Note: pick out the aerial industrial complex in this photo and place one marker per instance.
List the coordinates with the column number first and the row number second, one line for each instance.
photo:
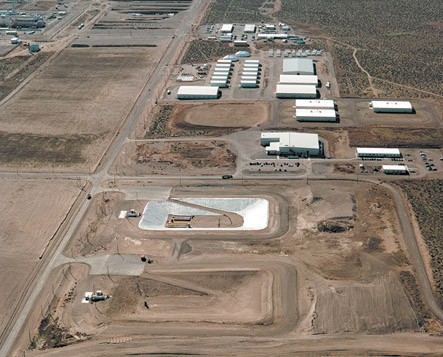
column 192, row 178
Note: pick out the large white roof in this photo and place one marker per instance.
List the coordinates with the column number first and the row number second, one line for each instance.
column 197, row 90
column 378, row 151
column 296, row 89
column 395, row 167
column 249, row 28
column 302, row 65
column 298, row 140
column 227, row 28
column 298, row 79
column 380, row 104
column 315, row 113
column 312, row 103
column 252, row 61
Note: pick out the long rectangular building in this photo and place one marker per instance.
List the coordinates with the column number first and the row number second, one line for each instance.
column 197, row 92
column 395, row 169
column 219, row 83
column 296, row 79
column 380, row 106
column 315, row 114
column 378, row 152
column 299, row 144
column 244, row 83
column 295, row 91
column 315, row 104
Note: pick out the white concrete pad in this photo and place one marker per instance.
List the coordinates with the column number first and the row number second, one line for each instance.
column 255, row 212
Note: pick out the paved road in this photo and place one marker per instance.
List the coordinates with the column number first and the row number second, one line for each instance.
column 102, row 175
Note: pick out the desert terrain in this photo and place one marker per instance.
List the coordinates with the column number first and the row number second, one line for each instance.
column 133, row 222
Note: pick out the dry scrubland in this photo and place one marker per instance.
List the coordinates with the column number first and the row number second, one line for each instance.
column 177, row 158
column 396, row 41
column 386, row 136
column 199, row 51
column 66, row 115
column 426, row 199
column 222, row 11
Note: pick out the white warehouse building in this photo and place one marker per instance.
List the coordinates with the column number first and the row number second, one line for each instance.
column 295, row 91
column 395, row 169
column 315, row 104
column 227, row 28
column 291, row 144
column 298, row 66
column 249, row 28
column 198, row 92
column 378, row 152
column 315, row 114
column 295, row 79
column 379, row 106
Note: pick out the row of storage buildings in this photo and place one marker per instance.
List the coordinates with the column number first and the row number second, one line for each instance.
column 222, row 73
column 315, row 110
column 290, row 86
column 250, row 74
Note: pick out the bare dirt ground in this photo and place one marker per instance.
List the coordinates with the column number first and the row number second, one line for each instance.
column 61, row 119
column 328, row 264
column 31, row 212
column 176, row 158
column 235, row 115
column 201, row 120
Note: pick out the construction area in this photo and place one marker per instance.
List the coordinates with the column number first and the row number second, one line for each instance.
column 176, row 181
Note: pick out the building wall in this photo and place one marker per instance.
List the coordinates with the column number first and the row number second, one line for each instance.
column 393, row 110
column 295, row 95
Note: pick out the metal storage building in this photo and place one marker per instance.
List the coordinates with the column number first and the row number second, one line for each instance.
column 298, row 66
column 378, row 152
column 219, row 83
column 379, row 106
column 231, row 58
column 219, row 78
column 295, row 79
column 315, row 114
column 250, row 69
column 395, row 169
column 221, row 72
column 223, row 65
column 197, row 92
column 248, row 83
column 243, row 54
column 249, row 78
column 227, row 28
column 249, row 28
column 315, row 104
column 296, row 91
column 300, row 144
column 226, row 38
column 251, row 65
column 272, row 36
column 241, row 43
column 224, row 61
column 252, row 61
